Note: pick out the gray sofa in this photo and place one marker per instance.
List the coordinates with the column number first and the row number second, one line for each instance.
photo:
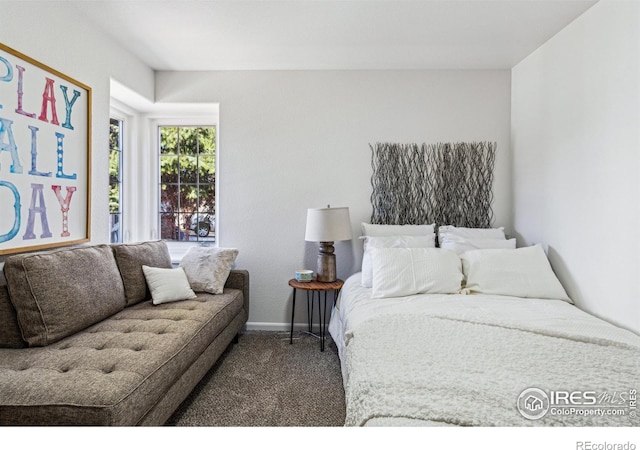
column 82, row 344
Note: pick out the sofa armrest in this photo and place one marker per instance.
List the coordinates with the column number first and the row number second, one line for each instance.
column 239, row 279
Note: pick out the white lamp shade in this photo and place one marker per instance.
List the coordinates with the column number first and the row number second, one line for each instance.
column 328, row 225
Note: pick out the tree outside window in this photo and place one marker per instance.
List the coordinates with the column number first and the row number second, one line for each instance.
column 187, row 183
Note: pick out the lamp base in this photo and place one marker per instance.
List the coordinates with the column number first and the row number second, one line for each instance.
column 326, row 265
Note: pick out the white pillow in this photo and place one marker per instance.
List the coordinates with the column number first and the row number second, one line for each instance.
column 406, row 271
column 427, row 241
column 208, row 268
column 523, row 272
column 167, row 285
column 446, row 231
column 461, row 245
column 397, row 230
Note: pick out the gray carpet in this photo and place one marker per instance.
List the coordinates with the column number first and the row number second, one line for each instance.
column 264, row 381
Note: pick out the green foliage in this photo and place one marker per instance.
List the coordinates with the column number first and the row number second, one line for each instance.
column 187, row 173
column 115, row 143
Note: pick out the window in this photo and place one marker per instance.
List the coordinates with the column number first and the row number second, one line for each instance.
column 187, row 183
column 115, row 180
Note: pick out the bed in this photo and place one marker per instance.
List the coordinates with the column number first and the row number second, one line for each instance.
column 475, row 333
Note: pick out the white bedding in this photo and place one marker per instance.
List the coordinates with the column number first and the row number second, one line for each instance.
column 464, row 359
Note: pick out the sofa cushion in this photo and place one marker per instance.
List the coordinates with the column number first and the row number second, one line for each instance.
column 60, row 292
column 114, row 372
column 131, row 258
column 10, row 335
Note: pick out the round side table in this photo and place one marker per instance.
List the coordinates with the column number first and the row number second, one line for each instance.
column 313, row 289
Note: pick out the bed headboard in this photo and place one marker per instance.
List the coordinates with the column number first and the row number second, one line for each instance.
column 443, row 183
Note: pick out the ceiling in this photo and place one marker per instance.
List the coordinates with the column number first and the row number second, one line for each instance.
column 330, row 34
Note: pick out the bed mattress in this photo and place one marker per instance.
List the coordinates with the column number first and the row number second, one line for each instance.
column 435, row 359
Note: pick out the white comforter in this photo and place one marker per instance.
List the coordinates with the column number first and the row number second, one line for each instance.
column 465, row 359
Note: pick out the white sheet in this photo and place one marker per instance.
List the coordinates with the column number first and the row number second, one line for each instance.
column 534, row 321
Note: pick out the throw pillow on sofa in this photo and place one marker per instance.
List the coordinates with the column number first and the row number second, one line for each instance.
column 208, row 268
column 167, row 285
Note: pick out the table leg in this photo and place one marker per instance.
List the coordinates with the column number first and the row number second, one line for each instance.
column 310, row 311
column 319, row 314
column 323, row 321
column 293, row 312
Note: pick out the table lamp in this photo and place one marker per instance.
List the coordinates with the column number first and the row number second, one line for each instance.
column 326, row 225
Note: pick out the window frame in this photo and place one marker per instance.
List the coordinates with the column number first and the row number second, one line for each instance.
column 115, row 116
column 178, row 248
column 200, row 157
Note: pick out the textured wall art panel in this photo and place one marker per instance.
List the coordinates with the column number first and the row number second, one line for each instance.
column 443, row 183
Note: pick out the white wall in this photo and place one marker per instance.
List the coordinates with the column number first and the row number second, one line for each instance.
column 576, row 158
column 60, row 38
column 291, row 140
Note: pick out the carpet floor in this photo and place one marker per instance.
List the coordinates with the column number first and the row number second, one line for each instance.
column 264, row 381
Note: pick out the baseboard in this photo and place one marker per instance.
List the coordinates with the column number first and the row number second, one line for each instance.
column 270, row 326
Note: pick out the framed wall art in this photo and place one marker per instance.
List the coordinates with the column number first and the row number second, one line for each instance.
column 45, row 156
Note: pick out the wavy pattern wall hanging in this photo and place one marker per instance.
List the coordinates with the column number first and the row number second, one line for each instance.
column 443, row 183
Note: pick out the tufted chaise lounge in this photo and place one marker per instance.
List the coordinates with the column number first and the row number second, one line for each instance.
column 84, row 345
